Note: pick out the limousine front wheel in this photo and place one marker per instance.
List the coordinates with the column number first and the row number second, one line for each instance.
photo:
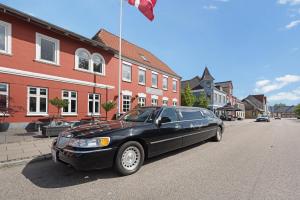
column 218, row 136
column 130, row 158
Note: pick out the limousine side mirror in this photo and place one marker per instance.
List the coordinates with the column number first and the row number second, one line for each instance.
column 162, row 120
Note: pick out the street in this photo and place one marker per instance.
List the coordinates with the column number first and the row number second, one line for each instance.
column 253, row 161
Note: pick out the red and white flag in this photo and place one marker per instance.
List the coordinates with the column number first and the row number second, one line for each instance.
column 145, row 6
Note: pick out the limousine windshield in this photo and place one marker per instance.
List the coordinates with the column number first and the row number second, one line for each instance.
column 140, row 115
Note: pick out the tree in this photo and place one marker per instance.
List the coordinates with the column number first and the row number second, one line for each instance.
column 202, row 101
column 59, row 104
column 108, row 106
column 279, row 105
column 297, row 110
column 187, row 97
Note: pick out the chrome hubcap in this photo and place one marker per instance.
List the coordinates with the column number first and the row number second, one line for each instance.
column 131, row 158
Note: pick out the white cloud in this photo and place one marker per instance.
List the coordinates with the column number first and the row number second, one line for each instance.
column 293, row 24
column 265, row 86
column 292, row 96
column 210, row 7
column 290, row 2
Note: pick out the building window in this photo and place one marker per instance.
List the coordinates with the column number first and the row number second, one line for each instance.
column 165, row 102
column 154, row 79
column 174, row 85
column 154, row 101
column 5, row 37
column 142, row 101
column 142, row 77
column 82, row 59
column 174, row 103
column 98, row 64
column 47, row 49
column 3, row 96
column 165, row 83
column 215, row 97
column 126, row 103
column 94, row 104
column 37, row 100
column 126, row 72
column 71, row 97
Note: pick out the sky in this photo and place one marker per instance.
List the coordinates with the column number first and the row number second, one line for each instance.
column 254, row 43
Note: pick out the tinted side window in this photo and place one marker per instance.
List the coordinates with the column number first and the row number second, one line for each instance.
column 208, row 113
column 169, row 115
column 190, row 114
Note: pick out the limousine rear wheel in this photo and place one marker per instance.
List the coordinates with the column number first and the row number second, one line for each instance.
column 218, row 136
column 130, row 158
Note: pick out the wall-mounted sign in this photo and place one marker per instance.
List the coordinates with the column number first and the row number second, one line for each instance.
column 154, row 91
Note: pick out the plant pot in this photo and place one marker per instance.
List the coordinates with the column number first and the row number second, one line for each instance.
column 53, row 130
column 4, row 126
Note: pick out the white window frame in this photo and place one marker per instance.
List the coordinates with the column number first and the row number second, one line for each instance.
column 38, row 39
column 103, row 64
column 154, row 74
column 69, row 98
column 127, row 100
column 142, row 101
column 165, row 87
column 154, row 100
column 8, row 40
column 77, row 52
column 130, row 66
column 5, row 94
column 143, row 71
column 174, row 102
column 94, row 100
column 174, row 83
column 38, row 97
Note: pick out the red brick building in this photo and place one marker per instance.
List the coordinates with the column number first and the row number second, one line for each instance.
column 40, row 61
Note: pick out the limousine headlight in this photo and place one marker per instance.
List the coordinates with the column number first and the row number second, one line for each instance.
column 90, row 143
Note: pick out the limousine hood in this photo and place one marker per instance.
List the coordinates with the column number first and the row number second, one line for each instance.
column 98, row 129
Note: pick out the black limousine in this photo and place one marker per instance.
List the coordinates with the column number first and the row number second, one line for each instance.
column 139, row 134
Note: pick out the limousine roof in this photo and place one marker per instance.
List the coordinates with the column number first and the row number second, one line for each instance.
column 178, row 107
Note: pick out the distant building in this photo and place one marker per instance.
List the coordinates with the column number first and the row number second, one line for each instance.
column 255, row 105
column 216, row 96
column 283, row 111
column 220, row 95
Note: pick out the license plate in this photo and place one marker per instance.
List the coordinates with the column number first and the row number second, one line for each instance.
column 54, row 155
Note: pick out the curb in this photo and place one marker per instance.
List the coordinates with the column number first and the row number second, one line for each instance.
column 23, row 161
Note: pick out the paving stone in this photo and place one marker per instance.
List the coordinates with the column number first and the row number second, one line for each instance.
column 3, row 158
column 15, row 156
column 15, row 151
column 2, row 147
column 30, row 154
column 45, row 150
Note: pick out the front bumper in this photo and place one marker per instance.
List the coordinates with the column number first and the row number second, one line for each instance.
column 86, row 160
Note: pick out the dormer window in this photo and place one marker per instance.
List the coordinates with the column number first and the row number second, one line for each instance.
column 98, row 63
column 83, row 57
column 84, row 61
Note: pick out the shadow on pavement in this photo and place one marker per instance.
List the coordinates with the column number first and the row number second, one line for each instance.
column 47, row 174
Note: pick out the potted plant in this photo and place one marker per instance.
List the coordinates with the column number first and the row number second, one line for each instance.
column 108, row 106
column 56, row 125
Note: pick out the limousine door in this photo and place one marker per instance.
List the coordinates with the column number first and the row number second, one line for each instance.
column 195, row 126
column 212, row 123
column 168, row 136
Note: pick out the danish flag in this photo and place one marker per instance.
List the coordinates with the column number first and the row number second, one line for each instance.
column 145, row 6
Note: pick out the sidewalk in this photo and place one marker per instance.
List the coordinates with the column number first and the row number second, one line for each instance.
column 25, row 149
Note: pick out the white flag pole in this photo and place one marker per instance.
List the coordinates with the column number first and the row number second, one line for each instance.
column 120, row 59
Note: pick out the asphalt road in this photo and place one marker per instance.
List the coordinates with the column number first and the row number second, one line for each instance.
column 254, row 161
